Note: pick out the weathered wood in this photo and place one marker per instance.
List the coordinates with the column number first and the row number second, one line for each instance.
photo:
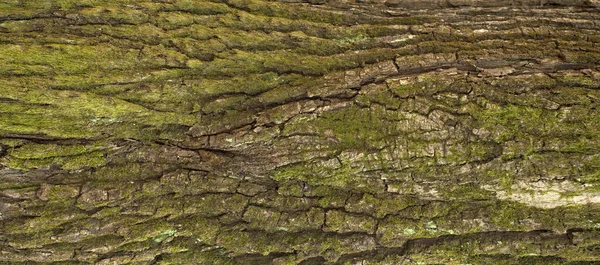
column 300, row 132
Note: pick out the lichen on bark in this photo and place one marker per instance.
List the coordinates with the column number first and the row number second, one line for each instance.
column 299, row 132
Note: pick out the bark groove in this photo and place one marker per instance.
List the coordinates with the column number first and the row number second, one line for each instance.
column 300, row 132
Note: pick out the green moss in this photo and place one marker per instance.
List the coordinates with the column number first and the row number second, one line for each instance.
column 522, row 83
column 101, row 244
column 306, row 244
column 47, row 220
column 508, row 215
column 252, row 40
column 30, row 124
column 196, row 32
column 9, row 186
column 35, row 239
column 474, row 151
column 164, row 235
column 24, row 8
column 590, row 58
column 341, row 222
column 12, row 142
column 342, row 177
column 424, row 84
column 222, row 122
column 64, row 59
column 504, row 178
column 379, row 95
column 202, row 230
column 468, row 192
column 212, row 205
column 333, row 198
column 446, row 253
column 209, row 256
column 284, row 62
column 244, row 242
column 272, row 9
column 353, row 39
column 125, row 172
column 71, row 114
column 174, row 20
column 250, row 84
column 282, row 94
column 201, row 7
column 395, row 231
column 500, row 259
column 145, row 33
column 119, row 15
column 223, row 104
column 272, row 221
column 577, row 81
column 353, row 127
column 508, row 122
column 137, row 246
column 108, row 212
column 316, row 46
column 290, row 188
column 37, row 151
column 155, row 230
column 523, row 129
column 17, row 26
column 515, row 216
column 381, row 207
column 238, row 62
column 535, row 259
column 62, row 192
column 95, row 81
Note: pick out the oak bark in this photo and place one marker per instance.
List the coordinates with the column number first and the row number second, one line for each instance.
column 300, row 132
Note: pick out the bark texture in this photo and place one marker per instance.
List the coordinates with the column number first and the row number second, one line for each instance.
column 300, row 132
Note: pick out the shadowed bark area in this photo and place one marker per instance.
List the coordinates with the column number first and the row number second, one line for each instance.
column 300, row 132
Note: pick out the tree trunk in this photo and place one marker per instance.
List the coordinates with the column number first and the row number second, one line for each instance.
column 300, row 132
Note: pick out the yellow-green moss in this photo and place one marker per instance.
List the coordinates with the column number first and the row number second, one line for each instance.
column 341, row 177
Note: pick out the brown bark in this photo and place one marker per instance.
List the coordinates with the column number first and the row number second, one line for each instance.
column 300, row 132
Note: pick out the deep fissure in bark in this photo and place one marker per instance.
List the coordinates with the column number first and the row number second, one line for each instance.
column 300, row 132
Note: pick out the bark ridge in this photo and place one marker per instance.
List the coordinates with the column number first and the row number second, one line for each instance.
column 300, row 132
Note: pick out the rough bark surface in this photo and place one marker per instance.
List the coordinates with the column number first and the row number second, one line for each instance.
column 300, row 132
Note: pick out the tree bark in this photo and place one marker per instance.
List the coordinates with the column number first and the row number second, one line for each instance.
column 300, row 132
